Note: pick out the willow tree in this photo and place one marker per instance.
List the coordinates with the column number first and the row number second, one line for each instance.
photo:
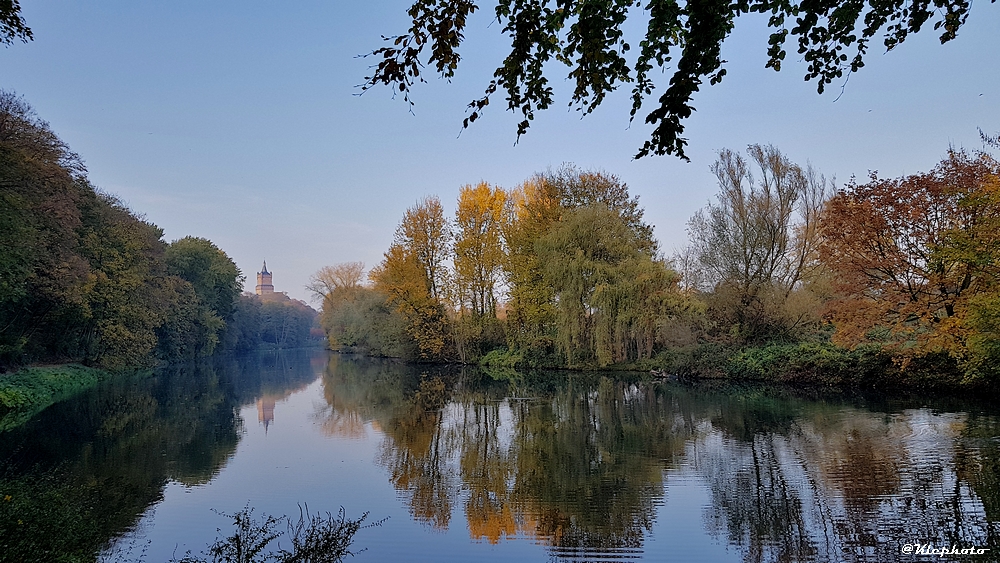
column 537, row 206
column 609, row 293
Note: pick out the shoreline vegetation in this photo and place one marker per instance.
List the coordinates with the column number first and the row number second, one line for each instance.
column 84, row 279
column 28, row 391
column 787, row 278
column 89, row 288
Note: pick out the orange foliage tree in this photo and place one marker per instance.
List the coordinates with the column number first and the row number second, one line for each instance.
column 911, row 255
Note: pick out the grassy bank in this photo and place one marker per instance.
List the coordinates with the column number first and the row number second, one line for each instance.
column 803, row 363
column 27, row 392
column 815, row 363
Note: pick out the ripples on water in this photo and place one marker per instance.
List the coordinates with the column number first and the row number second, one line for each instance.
column 581, row 469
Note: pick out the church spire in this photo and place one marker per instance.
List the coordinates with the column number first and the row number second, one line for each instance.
column 264, row 270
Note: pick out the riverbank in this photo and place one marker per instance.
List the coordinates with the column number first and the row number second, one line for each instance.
column 802, row 363
column 28, row 391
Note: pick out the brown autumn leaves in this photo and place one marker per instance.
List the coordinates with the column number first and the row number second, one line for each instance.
column 562, row 271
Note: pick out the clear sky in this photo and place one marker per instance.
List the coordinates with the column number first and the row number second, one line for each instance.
column 240, row 122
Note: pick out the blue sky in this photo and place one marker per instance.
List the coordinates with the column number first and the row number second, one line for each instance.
column 241, row 123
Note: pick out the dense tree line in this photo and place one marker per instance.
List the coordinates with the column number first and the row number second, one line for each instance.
column 277, row 322
column 561, row 270
column 916, row 264
column 783, row 273
column 83, row 278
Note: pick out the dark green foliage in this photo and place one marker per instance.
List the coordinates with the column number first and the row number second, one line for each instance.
column 589, row 37
column 538, row 353
column 287, row 324
column 82, row 278
column 243, row 329
column 27, row 392
column 47, row 506
column 81, row 472
column 811, row 362
column 215, row 278
column 12, row 26
column 125, row 255
column 273, row 323
column 814, row 363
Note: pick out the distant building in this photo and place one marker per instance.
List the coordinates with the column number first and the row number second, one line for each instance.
column 264, row 286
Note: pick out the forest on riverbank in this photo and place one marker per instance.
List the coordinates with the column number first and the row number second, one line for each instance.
column 83, row 278
column 786, row 277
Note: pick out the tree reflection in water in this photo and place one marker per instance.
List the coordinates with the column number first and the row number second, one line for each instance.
column 584, row 466
column 82, row 472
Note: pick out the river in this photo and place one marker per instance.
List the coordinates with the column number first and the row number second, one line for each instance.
column 455, row 466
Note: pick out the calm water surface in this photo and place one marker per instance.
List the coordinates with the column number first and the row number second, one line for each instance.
column 464, row 468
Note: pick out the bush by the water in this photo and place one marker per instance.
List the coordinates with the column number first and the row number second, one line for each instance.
column 314, row 538
column 28, row 391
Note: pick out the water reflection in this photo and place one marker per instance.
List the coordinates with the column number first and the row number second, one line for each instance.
column 584, row 466
column 589, row 467
column 83, row 471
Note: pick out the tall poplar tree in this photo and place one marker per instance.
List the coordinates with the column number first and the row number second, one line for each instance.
column 479, row 251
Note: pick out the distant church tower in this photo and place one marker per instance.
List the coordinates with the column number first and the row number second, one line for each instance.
column 264, row 286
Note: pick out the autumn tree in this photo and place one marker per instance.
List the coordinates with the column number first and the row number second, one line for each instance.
column 414, row 273
column 532, row 207
column 426, row 236
column 589, row 37
column 479, row 252
column 537, row 206
column 759, row 242
column 126, row 258
column 82, row 277
column 359, row 317
column 42, row 276
column 914, row 256
column 580, row 188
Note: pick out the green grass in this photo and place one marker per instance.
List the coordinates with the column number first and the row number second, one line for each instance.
column 27, row 392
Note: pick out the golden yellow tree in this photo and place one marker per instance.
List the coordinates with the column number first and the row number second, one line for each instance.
column 479, row 251
column 426, row 235
column 413, row 274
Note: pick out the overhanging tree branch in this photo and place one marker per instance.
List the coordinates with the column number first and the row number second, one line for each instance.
column 587, row 36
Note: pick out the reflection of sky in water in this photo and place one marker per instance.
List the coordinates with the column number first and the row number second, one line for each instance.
column 691, row 475
column 296, row 461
